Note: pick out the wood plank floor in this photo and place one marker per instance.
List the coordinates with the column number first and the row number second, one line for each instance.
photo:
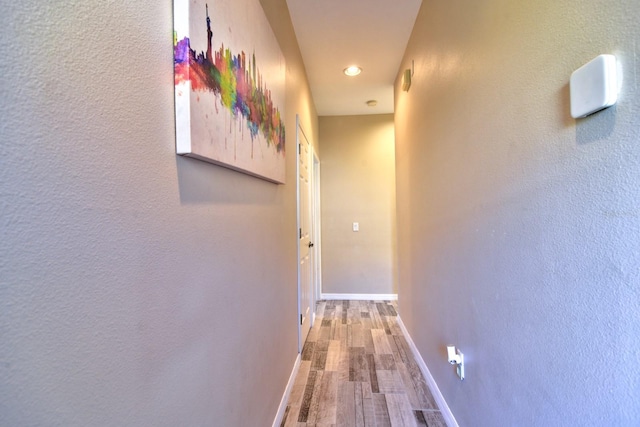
column 358, row 370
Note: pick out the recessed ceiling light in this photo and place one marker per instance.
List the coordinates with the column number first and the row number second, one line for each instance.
column 372, row 103
column 353, row 70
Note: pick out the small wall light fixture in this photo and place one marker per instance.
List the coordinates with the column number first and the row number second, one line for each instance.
column 352, row 70
column 406, row 78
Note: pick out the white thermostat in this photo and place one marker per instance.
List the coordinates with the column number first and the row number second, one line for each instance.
column 594, row 86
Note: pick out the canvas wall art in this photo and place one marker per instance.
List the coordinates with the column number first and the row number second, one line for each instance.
column 229, row 86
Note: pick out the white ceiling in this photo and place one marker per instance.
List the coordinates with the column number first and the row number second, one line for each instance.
column 334, row 34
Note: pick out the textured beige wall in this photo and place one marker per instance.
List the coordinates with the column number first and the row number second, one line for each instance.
column 358, row 185
column 519, row 226
column 136, row 287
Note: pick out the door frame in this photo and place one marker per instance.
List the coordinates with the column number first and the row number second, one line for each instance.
column 316, row 228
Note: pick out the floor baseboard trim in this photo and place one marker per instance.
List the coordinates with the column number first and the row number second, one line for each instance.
column 287, row 392
column 362, row 297
column 435, row 391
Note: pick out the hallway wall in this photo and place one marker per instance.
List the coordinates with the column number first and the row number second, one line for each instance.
column 358, row 185
column 136, row 287
column 519, row 226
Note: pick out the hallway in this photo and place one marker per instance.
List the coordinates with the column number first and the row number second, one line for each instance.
column 357, row 369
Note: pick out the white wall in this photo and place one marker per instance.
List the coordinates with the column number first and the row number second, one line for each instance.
column 519, row 228
column 358, row 185
column 136, row 287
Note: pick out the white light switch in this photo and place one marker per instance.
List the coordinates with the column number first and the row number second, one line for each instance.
column 594, row 86
column 356, row 226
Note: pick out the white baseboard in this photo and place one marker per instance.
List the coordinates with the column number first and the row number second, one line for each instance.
column 287, row 392
column 435, row 391
column 362, row 297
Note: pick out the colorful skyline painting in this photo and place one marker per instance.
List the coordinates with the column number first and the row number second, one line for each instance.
column 229, row 103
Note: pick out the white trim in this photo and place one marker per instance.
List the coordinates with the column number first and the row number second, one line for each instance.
column 364, row 297
column 317, row 227
column 435, row 391
column 287, row 392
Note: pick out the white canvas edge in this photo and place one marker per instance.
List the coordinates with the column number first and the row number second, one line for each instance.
column 183, row 120
column 431, row 383
column 287, row 392
column 182, row 107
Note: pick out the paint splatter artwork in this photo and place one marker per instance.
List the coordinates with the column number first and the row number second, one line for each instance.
column 229, row 87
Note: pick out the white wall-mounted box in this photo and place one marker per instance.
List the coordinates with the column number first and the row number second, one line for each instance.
column 594, row 86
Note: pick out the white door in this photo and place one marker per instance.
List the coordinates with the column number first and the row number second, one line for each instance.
column 305, row 294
